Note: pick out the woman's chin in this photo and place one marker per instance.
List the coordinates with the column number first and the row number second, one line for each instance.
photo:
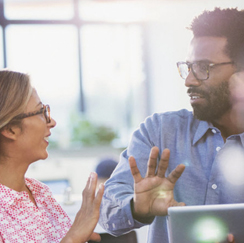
column 43, row 156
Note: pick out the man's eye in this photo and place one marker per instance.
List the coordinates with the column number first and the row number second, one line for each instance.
column 202, row 66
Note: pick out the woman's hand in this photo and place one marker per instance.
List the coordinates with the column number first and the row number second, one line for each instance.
column 88, row 215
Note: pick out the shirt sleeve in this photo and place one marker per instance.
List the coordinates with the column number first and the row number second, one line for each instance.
column 115, row 213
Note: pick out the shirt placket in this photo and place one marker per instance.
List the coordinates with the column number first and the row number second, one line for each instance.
column 213, row 189
column 224, row 186
column 46, row 218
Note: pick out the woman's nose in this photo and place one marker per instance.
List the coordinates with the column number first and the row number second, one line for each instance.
column 52, row 123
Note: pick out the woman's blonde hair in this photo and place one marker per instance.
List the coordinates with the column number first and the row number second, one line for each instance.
column 15, row 92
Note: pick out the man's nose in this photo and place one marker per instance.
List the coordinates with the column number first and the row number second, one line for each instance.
column 191, row 80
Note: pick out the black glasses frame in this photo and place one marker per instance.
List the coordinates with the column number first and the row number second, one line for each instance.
column 209, row 65
column 45, row 110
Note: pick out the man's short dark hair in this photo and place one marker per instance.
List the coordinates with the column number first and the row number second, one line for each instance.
column 227, row 23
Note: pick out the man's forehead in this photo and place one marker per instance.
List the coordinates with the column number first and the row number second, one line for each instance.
column 207, row 48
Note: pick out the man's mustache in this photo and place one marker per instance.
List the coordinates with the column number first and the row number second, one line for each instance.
column 194, row 90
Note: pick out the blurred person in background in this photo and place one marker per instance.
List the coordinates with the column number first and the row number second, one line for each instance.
column 207, row 144
column 104, row 169
column 29, row 213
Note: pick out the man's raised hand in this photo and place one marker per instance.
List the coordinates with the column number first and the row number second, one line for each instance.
column 154, row 193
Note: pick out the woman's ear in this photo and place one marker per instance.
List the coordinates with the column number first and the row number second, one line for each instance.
column 10, row 132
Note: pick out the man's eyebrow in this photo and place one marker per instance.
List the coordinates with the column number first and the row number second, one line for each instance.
column 201, row 60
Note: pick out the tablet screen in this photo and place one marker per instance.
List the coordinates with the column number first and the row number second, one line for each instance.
column 206, row 223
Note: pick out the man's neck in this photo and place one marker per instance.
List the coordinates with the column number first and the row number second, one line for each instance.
column 230, row 124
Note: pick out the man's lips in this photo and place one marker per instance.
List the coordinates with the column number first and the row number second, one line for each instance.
column 194, row 96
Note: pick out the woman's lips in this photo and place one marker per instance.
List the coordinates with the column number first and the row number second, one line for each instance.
column 47, row 137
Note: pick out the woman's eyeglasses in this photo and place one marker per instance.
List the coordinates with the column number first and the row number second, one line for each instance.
column 45, row 110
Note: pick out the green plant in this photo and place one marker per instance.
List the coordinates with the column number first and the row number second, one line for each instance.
column 88, row 134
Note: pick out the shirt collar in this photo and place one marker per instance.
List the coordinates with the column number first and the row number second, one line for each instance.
column 204, row 126
column 9, row 196
column 241, row 137
column 201, row 130
column 37, row 188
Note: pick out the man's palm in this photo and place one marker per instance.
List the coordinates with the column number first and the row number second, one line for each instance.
column 154, row 193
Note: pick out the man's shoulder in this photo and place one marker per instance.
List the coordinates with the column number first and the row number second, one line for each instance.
column 173, row 116
column 171, row 121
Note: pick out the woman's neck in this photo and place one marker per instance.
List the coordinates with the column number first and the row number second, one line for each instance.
column 12, row 174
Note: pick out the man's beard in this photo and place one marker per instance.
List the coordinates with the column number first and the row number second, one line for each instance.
column 218, row 102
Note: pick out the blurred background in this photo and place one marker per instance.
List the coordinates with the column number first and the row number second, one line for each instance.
column 103, row 66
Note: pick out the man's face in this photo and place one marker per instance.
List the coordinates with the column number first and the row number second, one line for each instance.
column 210, row 99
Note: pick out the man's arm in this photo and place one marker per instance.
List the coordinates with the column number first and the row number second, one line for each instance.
column 115, row 212
column 151, row 196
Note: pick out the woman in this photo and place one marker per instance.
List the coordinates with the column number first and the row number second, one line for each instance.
column 28, row 211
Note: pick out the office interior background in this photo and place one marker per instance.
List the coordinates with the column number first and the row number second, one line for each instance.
column 103, row 66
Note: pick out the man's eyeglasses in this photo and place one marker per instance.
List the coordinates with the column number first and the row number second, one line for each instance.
column 45, row 110
column 199, row 69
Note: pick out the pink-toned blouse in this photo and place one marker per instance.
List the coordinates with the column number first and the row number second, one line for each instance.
column 21, row 221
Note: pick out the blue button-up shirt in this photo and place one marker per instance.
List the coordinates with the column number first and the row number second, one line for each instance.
column 214, row 171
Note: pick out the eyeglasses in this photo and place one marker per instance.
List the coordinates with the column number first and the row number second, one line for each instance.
column 45, row 110
column 199, row 69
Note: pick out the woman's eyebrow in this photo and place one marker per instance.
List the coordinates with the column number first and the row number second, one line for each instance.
column 40, row 103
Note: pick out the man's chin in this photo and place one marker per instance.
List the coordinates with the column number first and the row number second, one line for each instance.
column 201, row 114
column 208, row 115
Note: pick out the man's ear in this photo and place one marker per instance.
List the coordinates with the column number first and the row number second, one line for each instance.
column 10, row 132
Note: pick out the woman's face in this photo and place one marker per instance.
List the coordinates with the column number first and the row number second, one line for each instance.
column 35, row 131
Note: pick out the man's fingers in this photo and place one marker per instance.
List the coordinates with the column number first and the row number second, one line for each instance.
column 163, row 163
column 152, row 162
column 176, row 173
column 134, row 170
column 181, row 204
column 230, row 238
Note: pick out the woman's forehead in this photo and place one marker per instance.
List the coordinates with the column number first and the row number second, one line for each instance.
column 34, row 101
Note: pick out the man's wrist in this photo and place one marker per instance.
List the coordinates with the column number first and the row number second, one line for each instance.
column 142, row 219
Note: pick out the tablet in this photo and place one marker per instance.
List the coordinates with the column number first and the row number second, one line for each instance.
column 205, row 223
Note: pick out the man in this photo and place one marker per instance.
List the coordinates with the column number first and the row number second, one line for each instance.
column 206, row 144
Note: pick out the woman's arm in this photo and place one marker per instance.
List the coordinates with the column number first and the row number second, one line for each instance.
column 87, row 217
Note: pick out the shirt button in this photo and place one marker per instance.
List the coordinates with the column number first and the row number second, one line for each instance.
column 214, row 186
column 213, row 131
column 217, row 149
